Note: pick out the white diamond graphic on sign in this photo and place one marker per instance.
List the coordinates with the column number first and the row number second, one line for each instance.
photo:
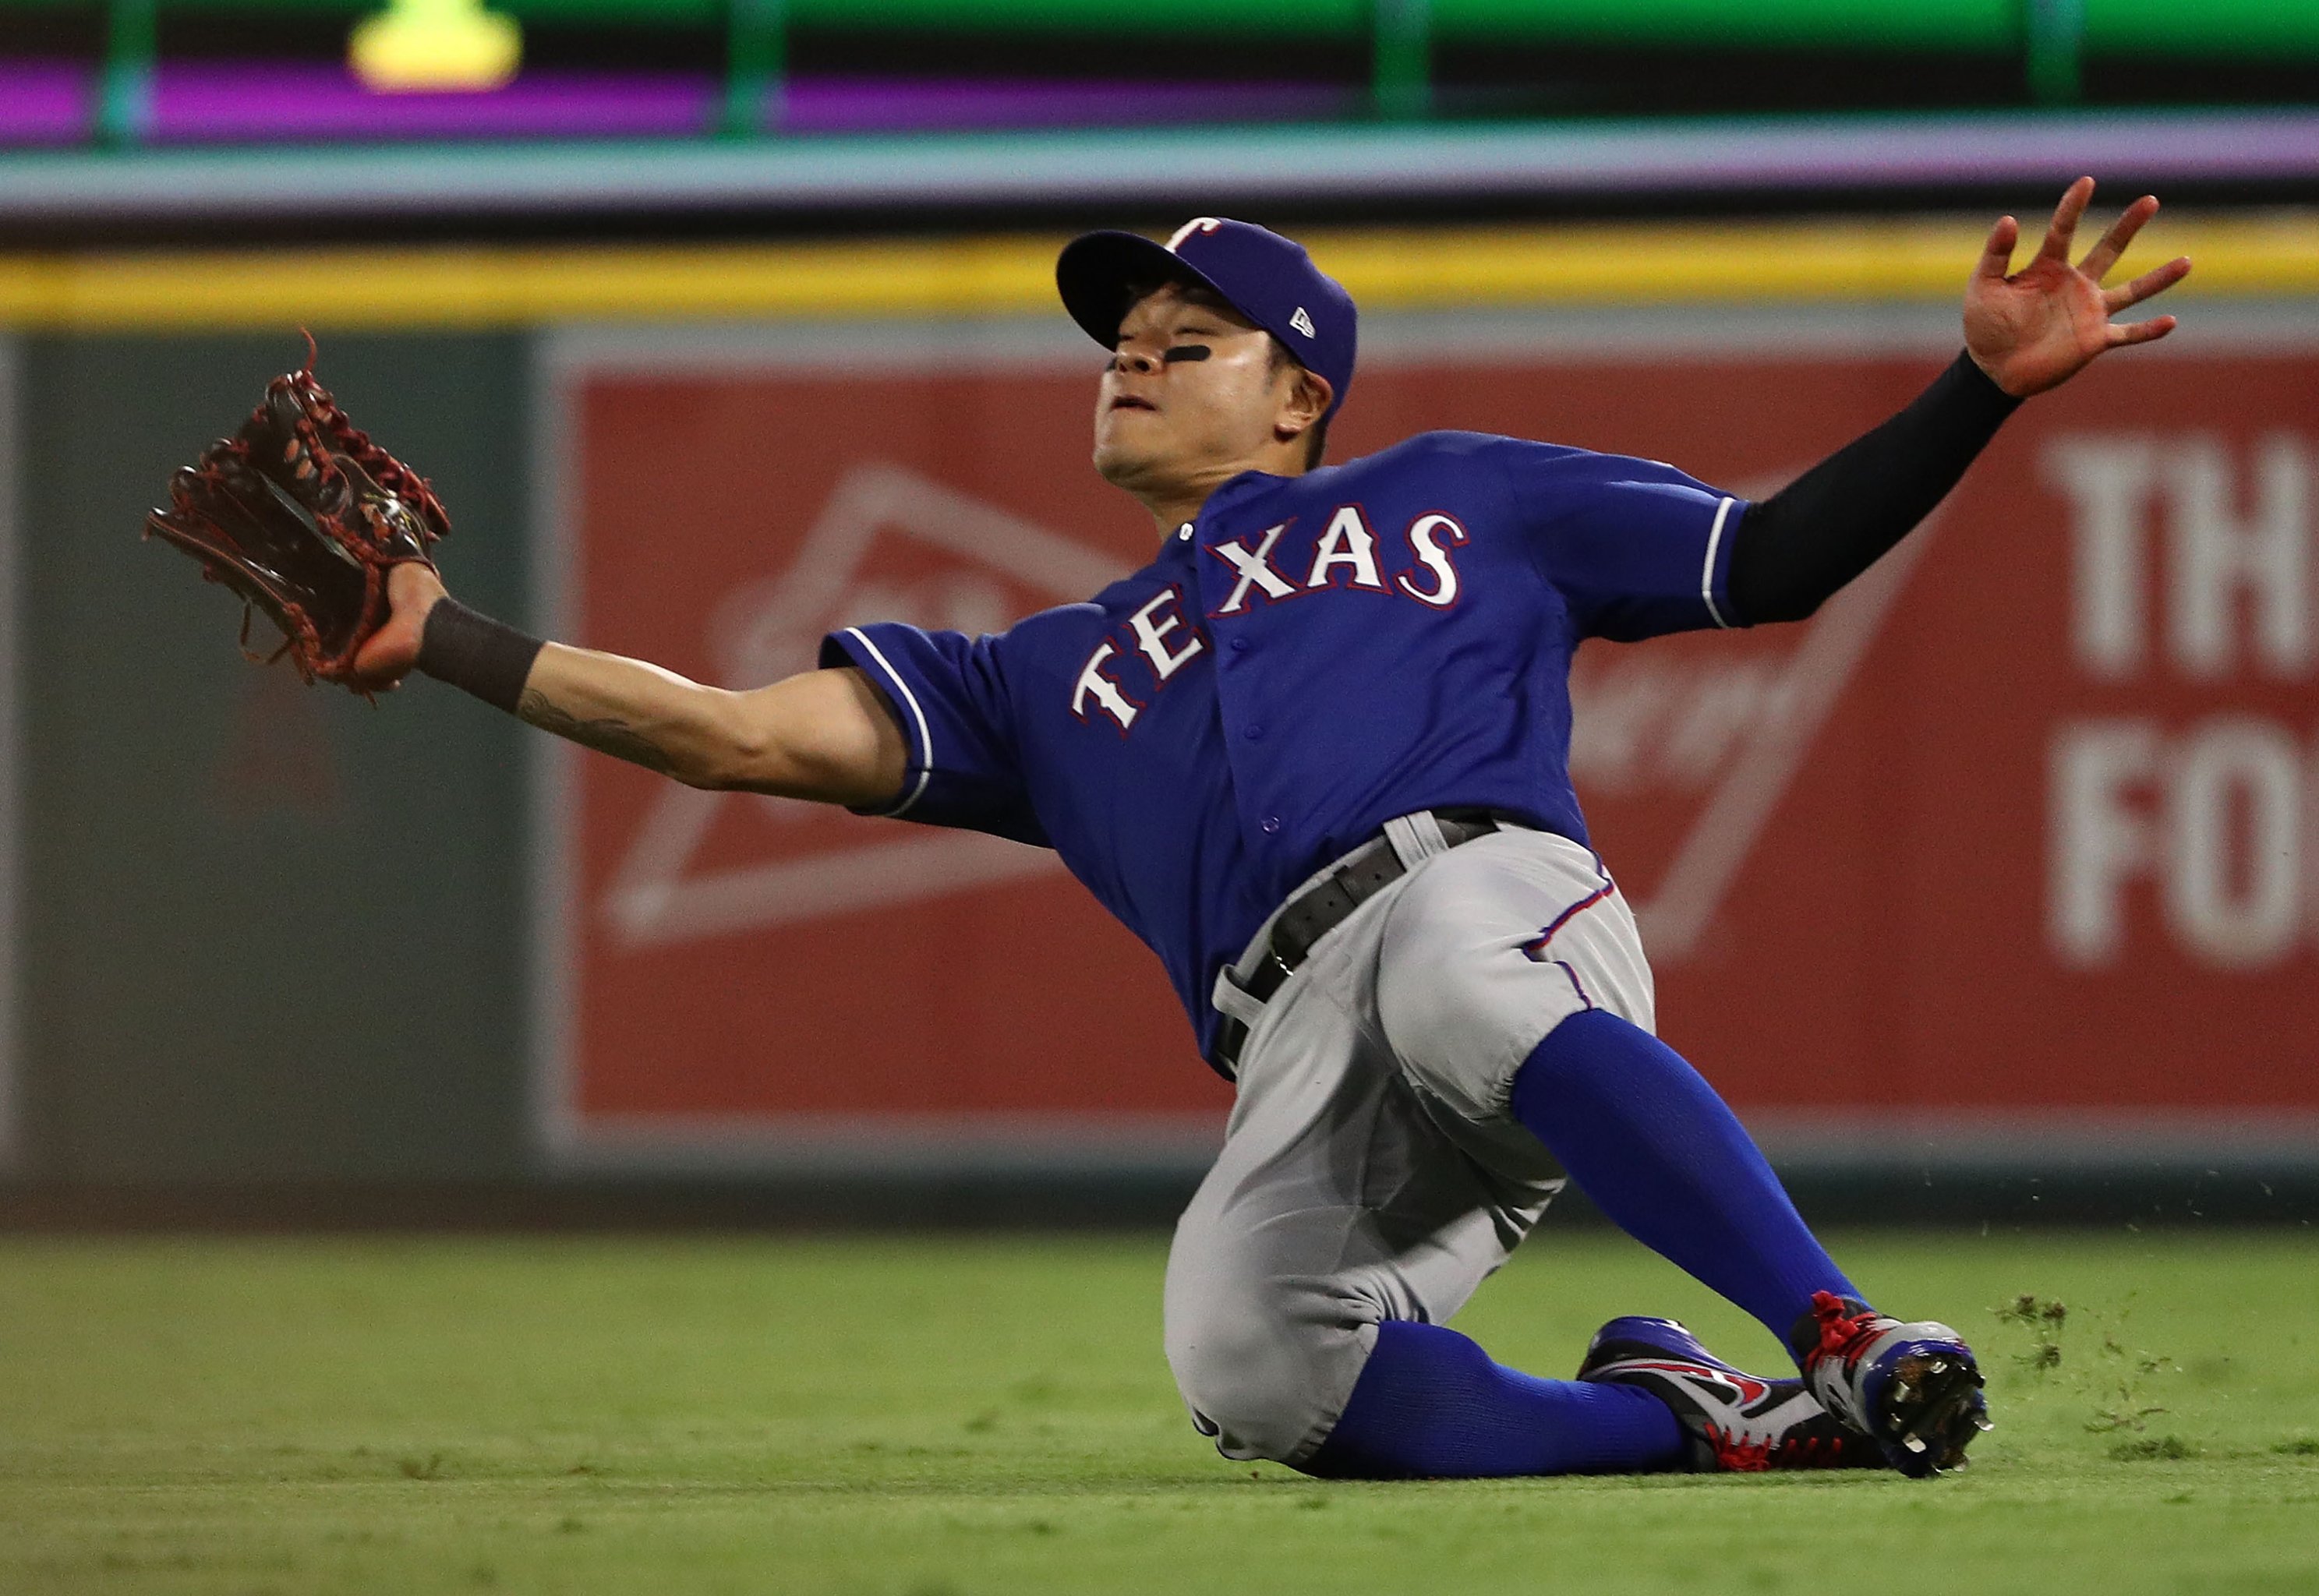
column 773, row 630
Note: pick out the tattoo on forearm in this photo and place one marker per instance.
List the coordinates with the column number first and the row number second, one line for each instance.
column 607, row 736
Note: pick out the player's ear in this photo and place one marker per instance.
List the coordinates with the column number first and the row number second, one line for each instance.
column 1306, row 402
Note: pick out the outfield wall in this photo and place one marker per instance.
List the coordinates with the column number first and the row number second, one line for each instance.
column 12, row 757
column 2009, row 859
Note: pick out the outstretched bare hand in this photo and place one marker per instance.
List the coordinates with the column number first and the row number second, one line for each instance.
column 2037, row 328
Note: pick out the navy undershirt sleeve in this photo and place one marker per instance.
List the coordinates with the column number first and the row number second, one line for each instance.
column 1793, row 550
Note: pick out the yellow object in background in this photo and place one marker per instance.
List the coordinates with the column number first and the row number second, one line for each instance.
column 1853, row 261
column 435, row 45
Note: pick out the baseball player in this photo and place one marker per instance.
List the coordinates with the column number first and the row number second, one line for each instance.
column 1314, row 755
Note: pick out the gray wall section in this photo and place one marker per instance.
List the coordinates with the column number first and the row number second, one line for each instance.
column 271, row 932
column 12, row 763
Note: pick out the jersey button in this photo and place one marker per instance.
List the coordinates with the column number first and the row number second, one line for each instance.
column 1239, row 646
column 1254, row 734
column 1271, row 824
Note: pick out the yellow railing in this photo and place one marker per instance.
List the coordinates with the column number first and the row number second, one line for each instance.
column 507, row 288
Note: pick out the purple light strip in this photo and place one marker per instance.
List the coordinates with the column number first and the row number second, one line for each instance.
column 223, row 103
column 1204, row 168
column 2008, row 147
column 211, row 103
column 885, row 104
column 45, row 101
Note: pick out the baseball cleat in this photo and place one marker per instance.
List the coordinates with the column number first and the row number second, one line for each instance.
column 1738, row 1422
column 1913, row 1387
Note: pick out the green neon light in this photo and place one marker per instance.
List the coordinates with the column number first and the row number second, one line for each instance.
column 1402, row 70
column 124, row 104
column 1993, row 25
column 2204, row 28
column 753, row 52
column 2057, row 38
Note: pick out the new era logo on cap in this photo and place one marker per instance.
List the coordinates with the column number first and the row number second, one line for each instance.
column 1269, row 279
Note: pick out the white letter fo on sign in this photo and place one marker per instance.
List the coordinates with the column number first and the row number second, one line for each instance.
column 2208, row 550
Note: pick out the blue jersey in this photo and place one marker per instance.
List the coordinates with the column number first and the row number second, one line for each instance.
column 1311, row 657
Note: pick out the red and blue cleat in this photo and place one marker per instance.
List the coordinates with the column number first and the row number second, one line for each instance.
column 1738, row 1422
column 1913, row 1388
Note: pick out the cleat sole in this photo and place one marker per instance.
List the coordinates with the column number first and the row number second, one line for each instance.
column 1933, row 1416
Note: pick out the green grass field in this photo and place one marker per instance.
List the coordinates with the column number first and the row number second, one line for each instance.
column 954, row 1416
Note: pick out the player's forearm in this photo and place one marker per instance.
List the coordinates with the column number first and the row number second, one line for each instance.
column 823, row 735
column 631, row 710
column 820, row 735
column 1804, row 542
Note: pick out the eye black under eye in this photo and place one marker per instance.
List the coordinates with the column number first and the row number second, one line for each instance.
column 1186, row 352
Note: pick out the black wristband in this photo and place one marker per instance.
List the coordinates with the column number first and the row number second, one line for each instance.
column 476, row 653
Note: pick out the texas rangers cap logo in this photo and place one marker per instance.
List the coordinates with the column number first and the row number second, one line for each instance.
column 1198, row 224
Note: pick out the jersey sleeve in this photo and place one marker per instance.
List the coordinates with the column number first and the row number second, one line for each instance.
column 949, row 695
column 1636, row 548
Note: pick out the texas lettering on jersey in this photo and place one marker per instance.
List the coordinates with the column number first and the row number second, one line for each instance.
column 1347, row 548
column 1345, row 556
column 1165, row 640
column 1311, row 657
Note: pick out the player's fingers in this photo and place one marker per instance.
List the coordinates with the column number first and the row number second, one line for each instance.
column 382, row 659
column 2063, row 230
column 2121, row 333
column 2104, row 255
column 1997, row 254
column 2154, row 282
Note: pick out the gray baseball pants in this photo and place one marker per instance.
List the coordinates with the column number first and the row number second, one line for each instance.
column 1371, row 1169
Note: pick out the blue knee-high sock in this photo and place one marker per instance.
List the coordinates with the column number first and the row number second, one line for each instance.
column 1651, row 1143
column 1429, row 1404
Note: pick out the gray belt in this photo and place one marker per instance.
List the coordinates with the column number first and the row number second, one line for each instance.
column 1325, row 905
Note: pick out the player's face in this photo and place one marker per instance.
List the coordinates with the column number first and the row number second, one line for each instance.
column 1192, row 392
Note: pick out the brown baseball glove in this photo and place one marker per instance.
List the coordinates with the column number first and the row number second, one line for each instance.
column 301, row 514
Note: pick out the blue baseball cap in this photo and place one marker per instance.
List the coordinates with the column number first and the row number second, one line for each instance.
column 1268, row 279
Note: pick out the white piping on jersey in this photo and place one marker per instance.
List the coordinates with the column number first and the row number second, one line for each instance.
column 1706, row 575
column 926, row 738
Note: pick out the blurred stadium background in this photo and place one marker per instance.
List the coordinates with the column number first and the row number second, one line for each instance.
column 1991, row 895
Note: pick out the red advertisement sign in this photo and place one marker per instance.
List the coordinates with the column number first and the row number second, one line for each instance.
column 2024, row 825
